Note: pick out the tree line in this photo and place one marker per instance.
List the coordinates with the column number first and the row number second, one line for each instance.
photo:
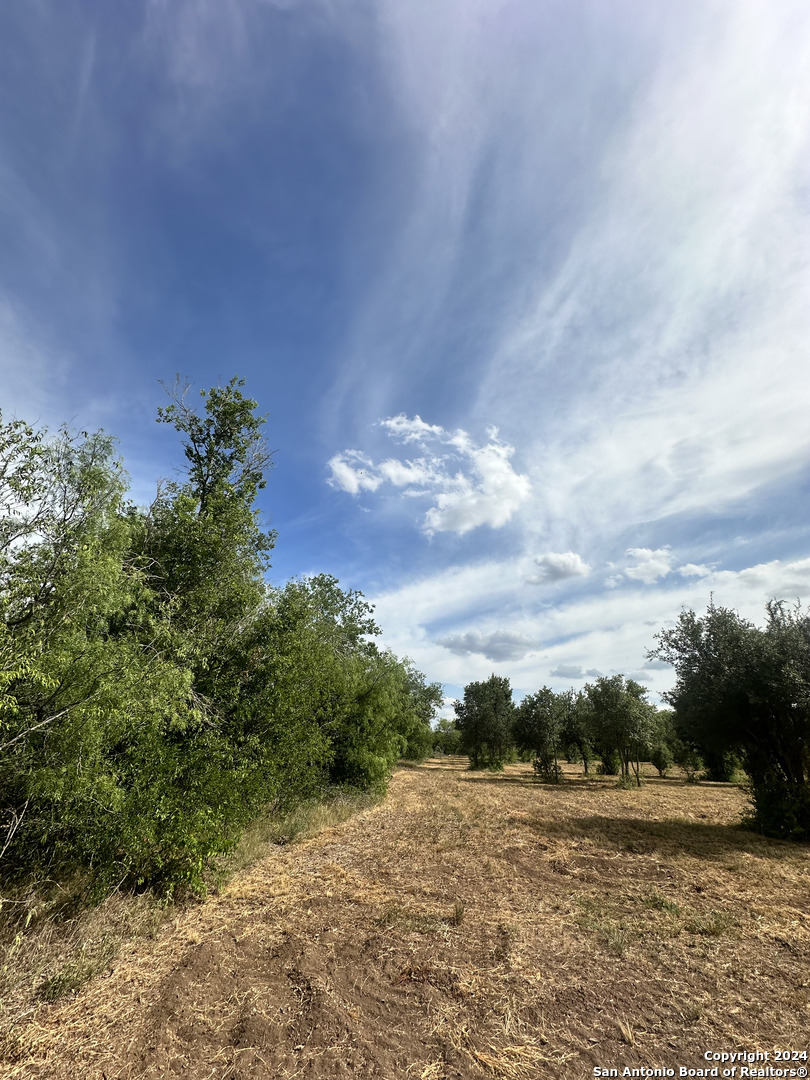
column 741, row 702
column 155, row 692
column 609, row 725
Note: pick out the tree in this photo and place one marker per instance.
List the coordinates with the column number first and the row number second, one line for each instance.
column 663, row 741
column 743, row 689
column 484, row 719
column 226, row 451
column 204, row 546
column 538, row 730
column 421, row 701
column 622, row 720
column 86, row 686
column 575, row 733
column 155, row 692
column 447, row 737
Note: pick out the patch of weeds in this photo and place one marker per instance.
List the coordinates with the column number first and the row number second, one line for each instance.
column 628, row 783
column 595, row 918
column 73, row 975
column 626, row 1031
column 391, row 916
column 457, row 917
column 692, row 1013
column 592, row 910
column 660, row 903
column 302, row 822
column 614, row 939
column 710, row 923
column 638, row 847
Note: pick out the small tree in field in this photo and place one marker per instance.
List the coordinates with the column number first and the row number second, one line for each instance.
column 623, row 719
column 484, row 719
column 575, row 735
column 538, row 730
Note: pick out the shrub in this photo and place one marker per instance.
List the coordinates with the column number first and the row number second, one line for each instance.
column 661, row 757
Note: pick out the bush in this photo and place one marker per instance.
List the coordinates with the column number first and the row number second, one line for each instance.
column 661, row 757
column 610, row 765
column 721, row 767
column 742, row 690
column 781, row 810
column 688, row 758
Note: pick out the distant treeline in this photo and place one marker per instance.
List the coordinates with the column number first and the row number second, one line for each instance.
column 155, row 693
column 741, row 701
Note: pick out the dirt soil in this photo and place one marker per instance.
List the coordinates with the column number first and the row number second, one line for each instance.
column 471, row 925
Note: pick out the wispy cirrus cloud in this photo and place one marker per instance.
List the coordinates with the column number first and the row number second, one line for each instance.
column 468, row 484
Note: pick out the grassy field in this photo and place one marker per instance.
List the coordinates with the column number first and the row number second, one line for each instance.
column 470, row 925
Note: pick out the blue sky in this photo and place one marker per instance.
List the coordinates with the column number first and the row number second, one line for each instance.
column 524, row 289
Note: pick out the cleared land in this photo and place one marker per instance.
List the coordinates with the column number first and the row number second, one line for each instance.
column 471, row 925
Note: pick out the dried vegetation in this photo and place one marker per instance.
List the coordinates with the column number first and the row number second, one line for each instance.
column 471, row 925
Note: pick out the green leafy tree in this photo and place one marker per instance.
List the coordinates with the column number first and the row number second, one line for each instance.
column 447, row 737
column 82, row 695
column 575, row 733
column 420, row 703
column 622, row 721
column 155, row 693
column 663, row 740
column 538, row 728
column 204, row 545
column 745, row 690
column 485, row 719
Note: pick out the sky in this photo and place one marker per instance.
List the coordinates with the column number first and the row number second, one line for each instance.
column 523, row 288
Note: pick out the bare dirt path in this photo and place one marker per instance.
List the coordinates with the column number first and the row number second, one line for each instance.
column 468, row 926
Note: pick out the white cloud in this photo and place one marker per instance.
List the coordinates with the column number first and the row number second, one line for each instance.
column 649, row 565
column 353, row 472
column 559, row 565
column 412, row 429
column 694, row 570
column 469, row 485
column 404, row 473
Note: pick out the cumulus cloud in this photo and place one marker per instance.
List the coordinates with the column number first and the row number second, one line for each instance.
column 469, row 485
column 649, row 565
column 354, row 472
column 694, row 570
column 559, row 565
column 497, row 645
column 411, row 429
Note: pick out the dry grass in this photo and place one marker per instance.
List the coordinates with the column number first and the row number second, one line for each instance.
column 51, row 943
column 471, row 925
